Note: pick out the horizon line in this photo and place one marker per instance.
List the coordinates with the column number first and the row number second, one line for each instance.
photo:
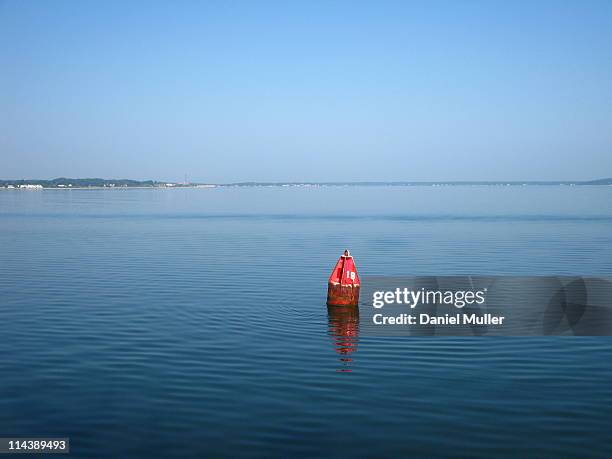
column 61, row 180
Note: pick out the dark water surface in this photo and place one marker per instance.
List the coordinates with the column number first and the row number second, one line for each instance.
column 192, row 323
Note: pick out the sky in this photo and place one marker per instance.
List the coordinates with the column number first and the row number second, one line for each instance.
column 306, row 90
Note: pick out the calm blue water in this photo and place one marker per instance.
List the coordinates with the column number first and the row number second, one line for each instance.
column 192, row 323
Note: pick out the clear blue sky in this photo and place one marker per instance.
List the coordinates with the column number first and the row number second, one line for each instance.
column 236, row 91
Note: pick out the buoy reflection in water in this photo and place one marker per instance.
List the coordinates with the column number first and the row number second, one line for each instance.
column 344, row 331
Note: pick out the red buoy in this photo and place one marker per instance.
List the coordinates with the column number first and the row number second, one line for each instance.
column 343, row 285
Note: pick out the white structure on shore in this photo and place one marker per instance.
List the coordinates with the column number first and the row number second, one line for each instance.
column 31, row 187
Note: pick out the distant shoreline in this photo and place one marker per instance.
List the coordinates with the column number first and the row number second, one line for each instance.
column 63, row 183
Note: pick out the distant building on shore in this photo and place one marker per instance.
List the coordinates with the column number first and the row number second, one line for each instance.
column 31, row 187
